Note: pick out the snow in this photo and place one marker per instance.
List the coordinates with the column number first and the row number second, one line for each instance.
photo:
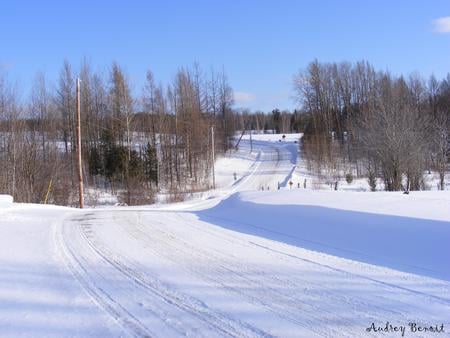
column 6, row 201
column 240, row 162
column 406, row 232
column 237, row 262
column 38, row 295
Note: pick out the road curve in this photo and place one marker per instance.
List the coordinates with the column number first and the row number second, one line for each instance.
column 168, row 273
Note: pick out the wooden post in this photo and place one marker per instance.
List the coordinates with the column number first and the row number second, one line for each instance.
column 48, row 191
column 80, row 167
column 213, row 157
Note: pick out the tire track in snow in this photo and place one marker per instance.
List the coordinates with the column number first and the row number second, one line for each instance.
column 441, row 300
column 384, row 289
column 290, row 309
column 221, row 323
column 103, row 299
column 357, row 304
column 248, row 244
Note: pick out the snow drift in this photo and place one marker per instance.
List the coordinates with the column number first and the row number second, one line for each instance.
column 5, row 201
column 411, row 238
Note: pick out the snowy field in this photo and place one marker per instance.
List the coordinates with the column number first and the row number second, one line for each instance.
column 239, row 262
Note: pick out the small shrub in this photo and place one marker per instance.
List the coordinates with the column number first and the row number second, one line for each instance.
column 175, row 195
column 349, row 178
column 136, row 192
column 372, row 181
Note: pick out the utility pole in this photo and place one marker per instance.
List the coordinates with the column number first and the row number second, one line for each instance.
column 213, row 157
column 80, row 167
column 251, row 143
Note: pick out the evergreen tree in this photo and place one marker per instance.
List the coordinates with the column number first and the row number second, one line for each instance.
column 151, row 164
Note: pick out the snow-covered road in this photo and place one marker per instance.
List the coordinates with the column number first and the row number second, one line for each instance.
column 168, row 274
column 274, row 165
column 201, row 269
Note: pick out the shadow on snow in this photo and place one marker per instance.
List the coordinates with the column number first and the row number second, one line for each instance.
column 413, row 245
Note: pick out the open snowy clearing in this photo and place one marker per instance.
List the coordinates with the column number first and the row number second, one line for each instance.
column 239, row 262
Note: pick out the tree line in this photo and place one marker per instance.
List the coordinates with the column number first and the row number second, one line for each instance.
column 133, row 145
column 388, row 127
column 356, row 120
column 275, row 121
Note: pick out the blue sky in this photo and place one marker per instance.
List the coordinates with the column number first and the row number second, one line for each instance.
column 261, row 44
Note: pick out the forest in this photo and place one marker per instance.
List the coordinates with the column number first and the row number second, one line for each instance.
column 362, row 122
column 357, row 122
column 131, row 146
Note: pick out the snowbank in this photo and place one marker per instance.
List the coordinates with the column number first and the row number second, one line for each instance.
column 409, row 233
column 6, row 201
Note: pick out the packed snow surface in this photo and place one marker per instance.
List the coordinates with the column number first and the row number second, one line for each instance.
column 6, row 201
column 241, row 262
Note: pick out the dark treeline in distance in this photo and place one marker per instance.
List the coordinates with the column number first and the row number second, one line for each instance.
column 132, row 146
column 383, row 127
column 275, row 121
